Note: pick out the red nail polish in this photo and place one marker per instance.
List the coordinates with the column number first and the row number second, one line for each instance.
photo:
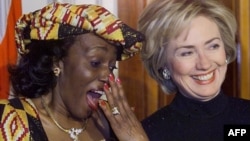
column 132, row 108
column 118, row 80
column 103, row 103
column 106, row 86
column 111, row 77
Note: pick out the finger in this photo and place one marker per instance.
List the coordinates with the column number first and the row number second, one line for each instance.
column 106, row 110
column 120, row 101
column 112, row 100
column 126, row 107
column 126, row 119
column 122, row 104
column 120, row 88
column 111, row 92
column 132, row 109
column 114, row 123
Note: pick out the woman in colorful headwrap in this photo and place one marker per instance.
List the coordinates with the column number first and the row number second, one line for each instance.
column 67, row 57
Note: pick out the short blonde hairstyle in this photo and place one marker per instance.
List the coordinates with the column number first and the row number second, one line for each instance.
column 163, row 20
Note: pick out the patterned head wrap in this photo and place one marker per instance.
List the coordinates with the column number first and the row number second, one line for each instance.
column 58, row 21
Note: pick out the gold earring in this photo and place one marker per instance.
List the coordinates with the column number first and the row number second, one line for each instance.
column 57, row 71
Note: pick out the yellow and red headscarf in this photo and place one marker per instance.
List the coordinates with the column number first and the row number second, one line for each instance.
column 58, row 21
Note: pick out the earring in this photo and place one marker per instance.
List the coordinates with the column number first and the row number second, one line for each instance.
column 166, row 74
column 57, row 71
column 226, row 61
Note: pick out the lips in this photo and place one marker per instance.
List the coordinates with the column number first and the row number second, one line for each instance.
column 93, row 97
column 204, row 79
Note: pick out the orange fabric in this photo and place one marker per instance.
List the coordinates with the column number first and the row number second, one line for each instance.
column 8, row 53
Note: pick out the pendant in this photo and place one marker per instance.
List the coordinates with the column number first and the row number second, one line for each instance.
column 74, row 133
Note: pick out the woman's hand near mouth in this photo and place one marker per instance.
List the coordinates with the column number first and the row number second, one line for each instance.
column 122, row 119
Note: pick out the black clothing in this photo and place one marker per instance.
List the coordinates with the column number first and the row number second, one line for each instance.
column 189, row 120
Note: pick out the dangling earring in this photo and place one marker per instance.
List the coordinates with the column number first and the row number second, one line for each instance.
column 57, row 71
column 166, row 74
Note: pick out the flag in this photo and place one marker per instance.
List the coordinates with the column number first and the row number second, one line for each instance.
column 10, row 11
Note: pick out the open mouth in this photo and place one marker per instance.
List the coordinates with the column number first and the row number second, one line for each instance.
column 93, row 96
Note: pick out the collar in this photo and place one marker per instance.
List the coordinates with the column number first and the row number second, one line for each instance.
column 196, row 109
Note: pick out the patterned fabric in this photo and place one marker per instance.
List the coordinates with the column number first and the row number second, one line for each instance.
column 20, row 121
column 58, row 21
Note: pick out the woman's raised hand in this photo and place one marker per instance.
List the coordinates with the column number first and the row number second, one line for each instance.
column 122, row 119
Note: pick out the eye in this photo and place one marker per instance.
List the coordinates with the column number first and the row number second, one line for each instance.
column 186, row 53
column 215, row 46
column 95, row 63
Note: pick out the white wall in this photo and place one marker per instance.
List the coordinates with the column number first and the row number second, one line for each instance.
column 32, row 5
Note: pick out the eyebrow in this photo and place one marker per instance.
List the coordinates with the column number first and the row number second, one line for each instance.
column 102, row 48
column 97, row 47
column 215, row 38
column 191, row 46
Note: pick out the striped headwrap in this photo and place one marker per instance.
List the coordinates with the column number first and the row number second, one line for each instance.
column 61, row 20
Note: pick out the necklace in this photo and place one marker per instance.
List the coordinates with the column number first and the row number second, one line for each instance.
column 73, row 132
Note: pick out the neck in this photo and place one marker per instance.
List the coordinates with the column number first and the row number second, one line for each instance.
column 73, row 132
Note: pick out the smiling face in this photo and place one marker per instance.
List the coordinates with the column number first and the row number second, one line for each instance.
column 196, row 60
column 83, row 72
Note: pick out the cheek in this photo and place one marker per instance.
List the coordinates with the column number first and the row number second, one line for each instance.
column 218, row 57
column 76, row 75
column 180, row 68
column 81, row 75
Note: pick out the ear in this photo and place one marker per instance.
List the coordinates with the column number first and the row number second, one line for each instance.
column 58, row 64
column 61, row 64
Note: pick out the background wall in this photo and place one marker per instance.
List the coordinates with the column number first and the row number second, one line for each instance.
column 31, row 5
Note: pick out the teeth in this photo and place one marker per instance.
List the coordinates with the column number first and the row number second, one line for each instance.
column 100, row 92
column 103, row 97
column 204, row 77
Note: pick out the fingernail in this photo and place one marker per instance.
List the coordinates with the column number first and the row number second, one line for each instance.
column 118, row 80
column 102, row 102
column 106, row 86
column 111, row 77
column 132, row 108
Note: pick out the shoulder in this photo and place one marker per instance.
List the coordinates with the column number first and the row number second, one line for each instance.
column 159, row 123
column 158, row 118
column 17, row 109
column 239, row 101
column 17, row 105
column 14, row 120
column 239, row 104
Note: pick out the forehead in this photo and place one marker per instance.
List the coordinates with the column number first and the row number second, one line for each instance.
column 200, row 29
column 91, row 41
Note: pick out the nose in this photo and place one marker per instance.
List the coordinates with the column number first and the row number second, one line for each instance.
column 203, row 62
column 104, row 74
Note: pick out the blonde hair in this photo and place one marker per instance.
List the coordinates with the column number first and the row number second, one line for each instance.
column 163, row 20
